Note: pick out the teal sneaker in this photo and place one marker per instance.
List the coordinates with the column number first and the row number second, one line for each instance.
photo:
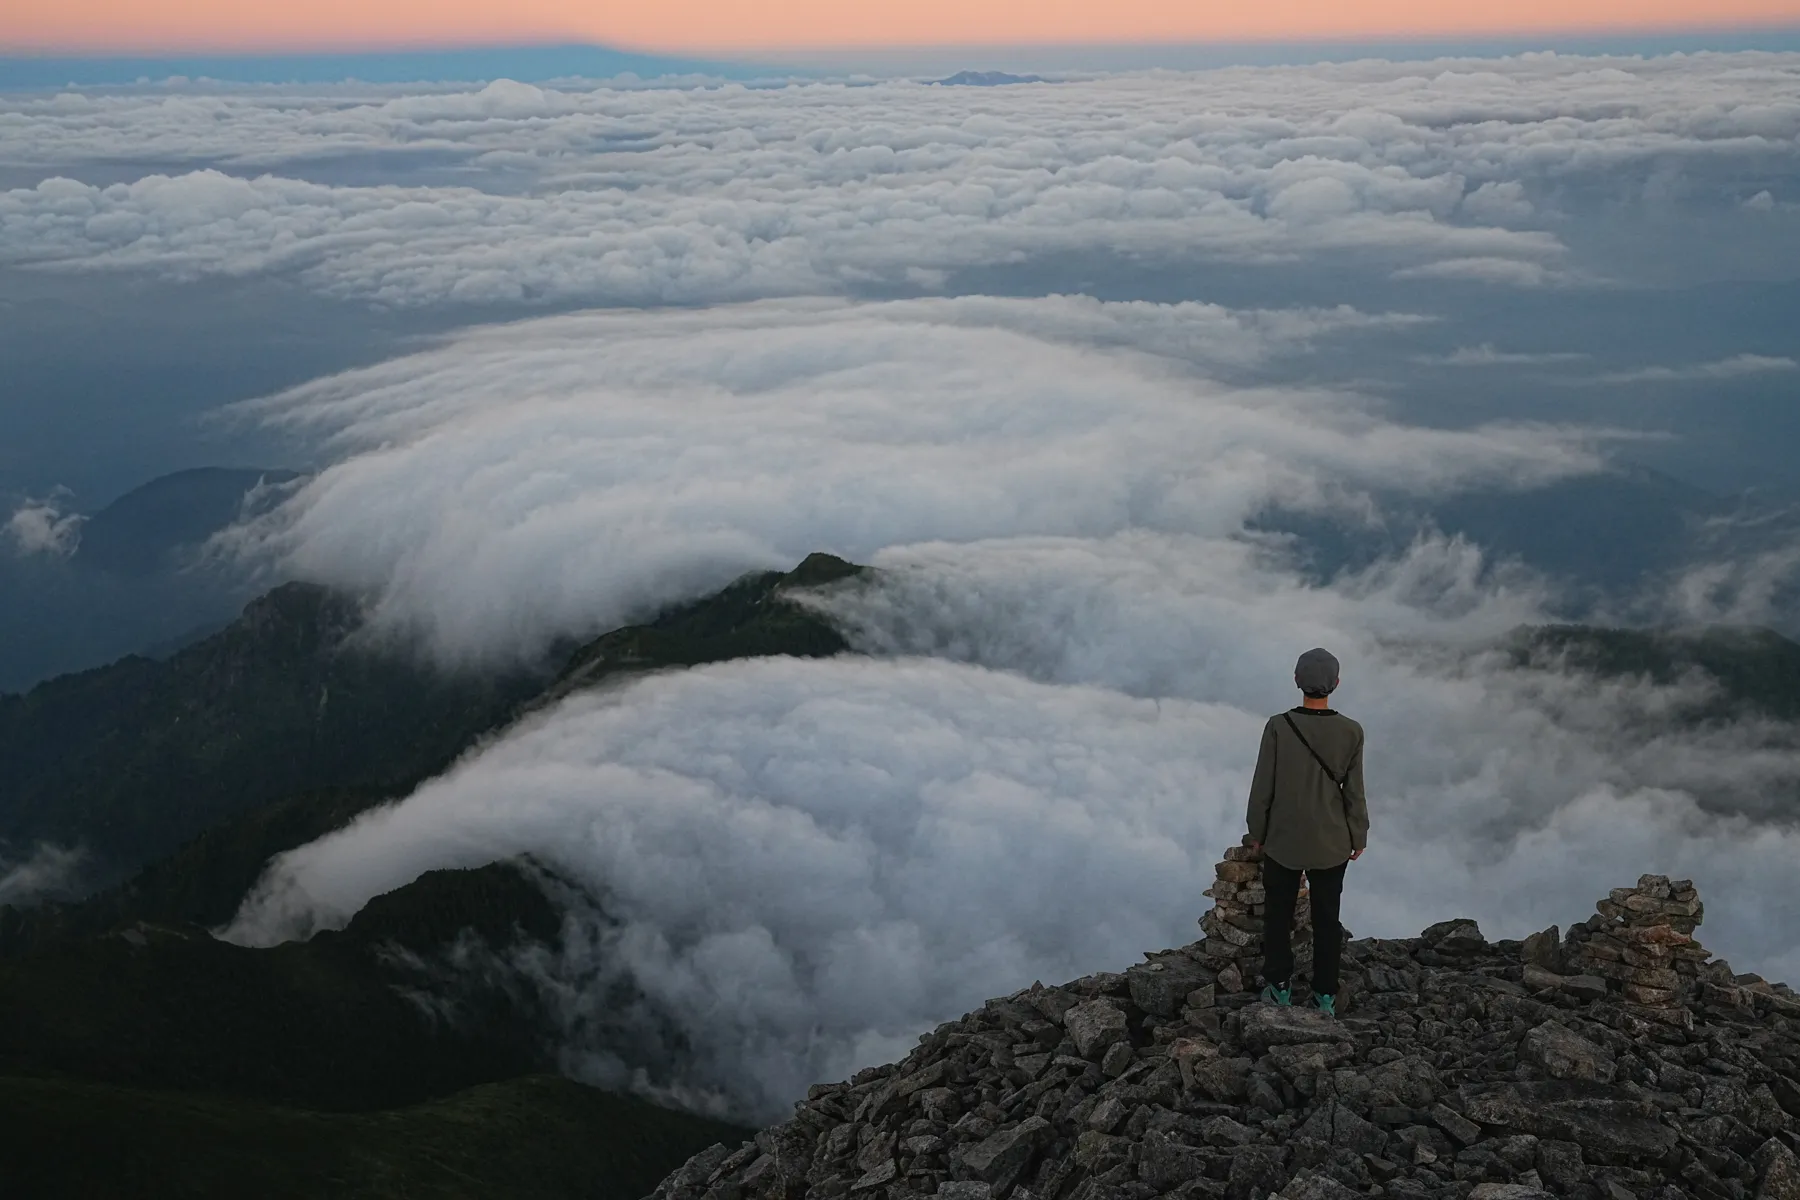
column 1326, row 1003
column 1283, row 995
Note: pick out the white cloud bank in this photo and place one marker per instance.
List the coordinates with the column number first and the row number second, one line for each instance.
column 1074, row 646
column 565, row 475
column 1458, row 169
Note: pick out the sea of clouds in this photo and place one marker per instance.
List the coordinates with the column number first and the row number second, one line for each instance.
column 1458, row 169
column 1077, row 630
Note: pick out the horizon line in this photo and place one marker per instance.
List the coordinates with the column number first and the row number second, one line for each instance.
column 560, row 59
column 573, row 41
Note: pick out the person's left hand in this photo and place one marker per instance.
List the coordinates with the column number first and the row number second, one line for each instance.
column 1355, row 854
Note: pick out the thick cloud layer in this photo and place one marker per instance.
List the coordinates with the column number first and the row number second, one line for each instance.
column 1458, row 169
column 566, row 475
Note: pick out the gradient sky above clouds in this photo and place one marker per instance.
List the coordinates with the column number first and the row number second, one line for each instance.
column 732, row 25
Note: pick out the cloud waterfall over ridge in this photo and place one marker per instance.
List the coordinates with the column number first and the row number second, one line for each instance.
column 621, row 460
column 1072, row 645
column 812, row 861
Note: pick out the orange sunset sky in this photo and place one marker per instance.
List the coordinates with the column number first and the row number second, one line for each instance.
column 715, row 26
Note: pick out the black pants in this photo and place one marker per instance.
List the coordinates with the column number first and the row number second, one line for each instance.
column 1282, row 889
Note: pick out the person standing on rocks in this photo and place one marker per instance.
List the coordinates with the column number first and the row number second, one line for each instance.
column 1308, row 815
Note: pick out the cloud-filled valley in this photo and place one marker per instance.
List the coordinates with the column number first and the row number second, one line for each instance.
column 1075, row 636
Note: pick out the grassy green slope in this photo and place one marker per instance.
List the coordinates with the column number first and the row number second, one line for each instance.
column 319, row 1023
column 533, row 1137
column 139, row 1056
column 133, row 759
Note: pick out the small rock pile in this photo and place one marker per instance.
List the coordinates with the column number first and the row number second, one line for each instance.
column 1466, row 1069
column 1234, row 924
column 1641, row 941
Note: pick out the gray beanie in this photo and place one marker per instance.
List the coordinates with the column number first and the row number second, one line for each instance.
column 1316, row 672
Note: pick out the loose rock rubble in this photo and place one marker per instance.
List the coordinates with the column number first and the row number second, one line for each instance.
column 1234, row 924
column 1459, row 1068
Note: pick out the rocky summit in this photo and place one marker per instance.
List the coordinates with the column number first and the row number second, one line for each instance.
column 1619, row 1061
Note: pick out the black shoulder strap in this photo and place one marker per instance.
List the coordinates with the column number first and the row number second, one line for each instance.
column 1343, row 780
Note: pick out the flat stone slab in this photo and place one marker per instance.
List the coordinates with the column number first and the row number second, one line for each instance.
column 1273, row 1025
column 1564, row 1054
column 1602, row 1119
column 1094, row 1027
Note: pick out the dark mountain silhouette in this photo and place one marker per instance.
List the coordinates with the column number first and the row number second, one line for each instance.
column 151, row 527
column 137, row 580
column 536, row 1137
column 985, row 79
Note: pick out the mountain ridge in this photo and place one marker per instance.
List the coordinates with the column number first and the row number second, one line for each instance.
column 136, row 758
column 357, row 1047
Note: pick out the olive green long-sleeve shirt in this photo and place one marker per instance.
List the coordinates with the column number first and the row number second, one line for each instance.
column 1296, row 811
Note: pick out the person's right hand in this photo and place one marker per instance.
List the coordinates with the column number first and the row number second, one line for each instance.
column 1355, row 854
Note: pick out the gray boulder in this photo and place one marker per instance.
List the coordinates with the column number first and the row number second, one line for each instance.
column 1255, row 1170
column 1544, row 949
column 1165, row 1163
column 1777, row 1172
column 1309, row 1185
column 1273, row 1025
column 1563, row 1054
column 1605, row 1121
column 1095, row 1027
column 1161, row 987
column 963, row 1189
column 1002, row 1157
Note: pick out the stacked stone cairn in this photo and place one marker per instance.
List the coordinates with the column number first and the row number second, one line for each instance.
column 1641, row 942
column 1234, row 924
column 1467, row 1070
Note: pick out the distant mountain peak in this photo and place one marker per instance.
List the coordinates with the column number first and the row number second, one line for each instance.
column 985, row 79
column 152, row 526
